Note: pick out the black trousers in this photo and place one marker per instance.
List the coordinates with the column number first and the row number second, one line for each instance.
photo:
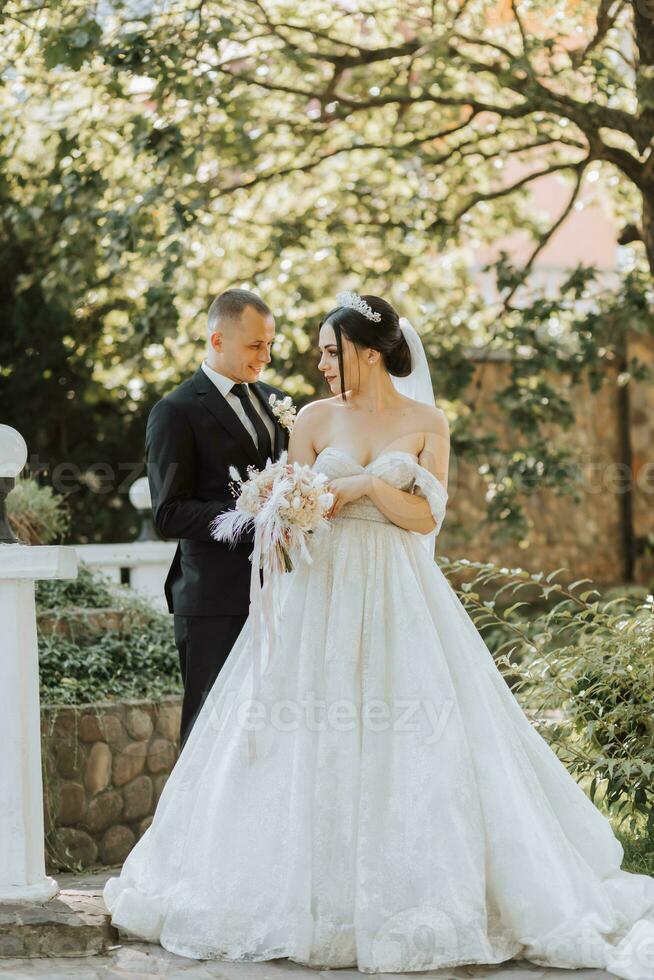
column 203, row 644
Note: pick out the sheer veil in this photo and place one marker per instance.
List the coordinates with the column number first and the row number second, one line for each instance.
column 417, row 385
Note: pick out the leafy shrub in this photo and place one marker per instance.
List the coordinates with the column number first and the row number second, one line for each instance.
column 638, row 853
column 89, row 590
column 603, row 679
column 139, row 660
column 589, row 659
column 136, row 659
column 36, row 514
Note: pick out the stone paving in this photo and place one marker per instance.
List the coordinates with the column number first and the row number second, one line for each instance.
column 137, row 960
column 74, row 923
column 141, row 961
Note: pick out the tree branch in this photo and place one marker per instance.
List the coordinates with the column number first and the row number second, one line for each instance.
column 545, row 238
column 312, row 164
column 482, row 42
column 361, row 55
column 508, row 189
column 523, row 35
column 604, row 22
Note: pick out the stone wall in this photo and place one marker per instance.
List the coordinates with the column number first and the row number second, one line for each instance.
column 104, row 767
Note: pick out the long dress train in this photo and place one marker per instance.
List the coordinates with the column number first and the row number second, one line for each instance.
column 402, row 813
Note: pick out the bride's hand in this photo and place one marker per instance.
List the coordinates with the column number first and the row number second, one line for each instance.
column 346, row 489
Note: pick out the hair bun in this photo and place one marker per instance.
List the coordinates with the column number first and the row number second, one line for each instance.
column 398, row 359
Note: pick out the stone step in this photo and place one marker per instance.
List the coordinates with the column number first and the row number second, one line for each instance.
column 73, row 923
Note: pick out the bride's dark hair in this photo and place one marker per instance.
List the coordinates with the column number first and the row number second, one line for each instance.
column 384, row 335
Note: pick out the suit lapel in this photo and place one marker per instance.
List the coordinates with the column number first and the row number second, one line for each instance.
column 263, row 397
column 222, row 411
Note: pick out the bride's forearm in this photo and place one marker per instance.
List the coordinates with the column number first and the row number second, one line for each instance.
column 405, row 509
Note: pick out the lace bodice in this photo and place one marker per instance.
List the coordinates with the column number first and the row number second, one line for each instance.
column 400, row 469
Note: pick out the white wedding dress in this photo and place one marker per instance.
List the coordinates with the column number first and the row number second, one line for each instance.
column 418, row 821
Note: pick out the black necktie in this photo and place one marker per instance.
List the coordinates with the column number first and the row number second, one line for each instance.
column 263, row 436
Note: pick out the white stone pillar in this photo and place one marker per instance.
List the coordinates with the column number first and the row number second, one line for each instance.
column 22, row 860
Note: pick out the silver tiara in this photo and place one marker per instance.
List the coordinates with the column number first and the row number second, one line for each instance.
column 355, row 302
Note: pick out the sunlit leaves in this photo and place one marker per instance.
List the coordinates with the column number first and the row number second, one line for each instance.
column 158, row 154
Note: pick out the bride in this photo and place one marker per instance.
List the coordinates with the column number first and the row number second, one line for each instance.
column 401, row 813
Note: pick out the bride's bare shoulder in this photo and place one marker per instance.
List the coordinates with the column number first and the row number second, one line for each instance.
column 313, row 416
column 437, row 418
column 317, row 409
column 430, row 417
column 312, row 421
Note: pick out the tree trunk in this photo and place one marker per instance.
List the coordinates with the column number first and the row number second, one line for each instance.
column 648, row 225
column 644, row 28
column 644, row 24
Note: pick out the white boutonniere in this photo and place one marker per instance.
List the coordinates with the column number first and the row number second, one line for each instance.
column 284, row 411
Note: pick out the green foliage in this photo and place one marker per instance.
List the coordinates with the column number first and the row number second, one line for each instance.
column 147, row 164
column 36, row 514
column 72, row 45
column 90, row 590
column 138, row 660
column 87, row 664
column 638, row 853
column 603, row 678
column 586, row 657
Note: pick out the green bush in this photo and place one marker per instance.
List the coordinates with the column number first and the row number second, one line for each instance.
column 603, row 679
column 586, row 657
column 87, row 664
column 139, row 660
column 89, row 590
column 36, row 514
column 638, row 853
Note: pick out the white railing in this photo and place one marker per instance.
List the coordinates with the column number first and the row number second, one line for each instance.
column 142, row 565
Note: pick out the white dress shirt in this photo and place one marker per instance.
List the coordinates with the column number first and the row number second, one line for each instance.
column 224, row 386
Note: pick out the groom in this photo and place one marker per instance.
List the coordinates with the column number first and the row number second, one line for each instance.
column 220, row 417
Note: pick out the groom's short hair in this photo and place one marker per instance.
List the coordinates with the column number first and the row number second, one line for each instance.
column 227, row 307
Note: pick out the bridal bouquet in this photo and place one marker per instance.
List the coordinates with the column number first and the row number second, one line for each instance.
column 284, row 503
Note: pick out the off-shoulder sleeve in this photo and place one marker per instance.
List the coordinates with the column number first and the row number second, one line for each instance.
column 426, row 484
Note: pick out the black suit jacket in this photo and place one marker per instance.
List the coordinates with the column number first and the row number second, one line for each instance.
column 192, row 438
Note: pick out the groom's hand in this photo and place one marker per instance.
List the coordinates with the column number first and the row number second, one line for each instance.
column 346, row 489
